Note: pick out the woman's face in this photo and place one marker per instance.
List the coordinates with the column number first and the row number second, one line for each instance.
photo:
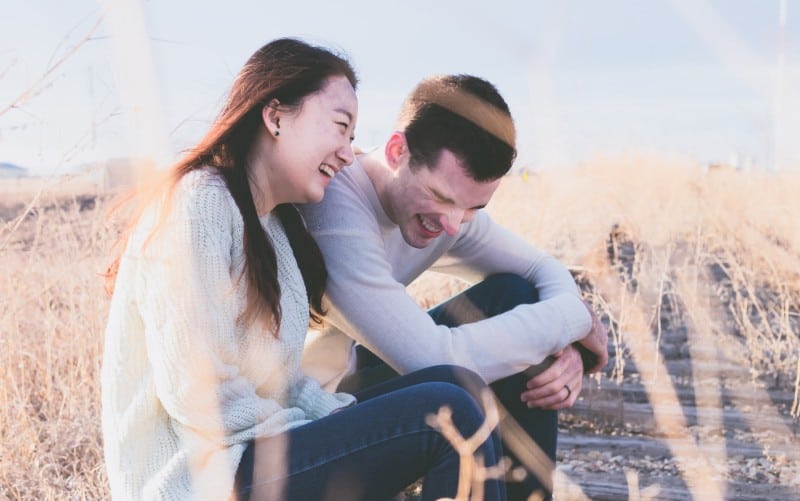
column 314, row 142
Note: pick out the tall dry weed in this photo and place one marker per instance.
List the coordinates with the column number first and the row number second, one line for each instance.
column 656, row 243
column 52, row 318
column 735, row 236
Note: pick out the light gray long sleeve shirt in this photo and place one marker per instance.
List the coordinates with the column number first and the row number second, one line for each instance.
column 370, row 265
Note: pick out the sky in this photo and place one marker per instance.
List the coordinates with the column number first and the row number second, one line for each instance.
column 713, row 81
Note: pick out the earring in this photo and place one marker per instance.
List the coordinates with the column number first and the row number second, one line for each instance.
column 277, row 133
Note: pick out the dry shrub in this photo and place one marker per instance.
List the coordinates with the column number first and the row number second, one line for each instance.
column 716, row 250
column 52, row 317
column 666, row 226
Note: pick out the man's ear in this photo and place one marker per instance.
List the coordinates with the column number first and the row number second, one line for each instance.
column 271, row 116
column 396, row 150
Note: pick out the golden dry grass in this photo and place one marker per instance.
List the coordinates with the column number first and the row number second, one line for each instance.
column 722, row 244
column 52, row 317
column 719, row 249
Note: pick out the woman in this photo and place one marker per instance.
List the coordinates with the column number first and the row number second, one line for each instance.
column 202, row 393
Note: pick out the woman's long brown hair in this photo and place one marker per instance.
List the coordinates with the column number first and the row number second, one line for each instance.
column 287, row 70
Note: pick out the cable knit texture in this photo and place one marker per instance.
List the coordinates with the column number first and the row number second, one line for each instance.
column 185, row 384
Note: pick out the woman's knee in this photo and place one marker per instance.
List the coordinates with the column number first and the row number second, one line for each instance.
column 467, row 413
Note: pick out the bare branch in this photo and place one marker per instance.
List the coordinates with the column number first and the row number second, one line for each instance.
column 33, row 89
column 472, row 472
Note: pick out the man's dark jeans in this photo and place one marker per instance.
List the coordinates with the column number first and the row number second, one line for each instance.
column 495, row 295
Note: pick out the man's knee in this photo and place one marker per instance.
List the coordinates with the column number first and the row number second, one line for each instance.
column 495, row 295
column 499, row 293
column 513, row 289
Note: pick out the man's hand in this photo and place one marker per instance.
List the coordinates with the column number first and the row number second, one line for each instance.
column 595, row 343
column 558, row 386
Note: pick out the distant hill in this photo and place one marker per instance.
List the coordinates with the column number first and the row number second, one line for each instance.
column 11, row 170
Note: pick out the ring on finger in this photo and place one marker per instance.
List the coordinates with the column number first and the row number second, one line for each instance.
column 569, row 391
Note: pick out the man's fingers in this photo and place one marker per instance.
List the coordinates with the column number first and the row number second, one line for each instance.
column 564, row 367
column 554, row 391
column 562, row 391
column 549, row 375
column 559, row 385
column 559, row 398
column 574, row 388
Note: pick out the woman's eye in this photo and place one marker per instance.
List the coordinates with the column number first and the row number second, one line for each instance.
column 344, row 125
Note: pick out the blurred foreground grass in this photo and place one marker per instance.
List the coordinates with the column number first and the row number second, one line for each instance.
column 650, row 242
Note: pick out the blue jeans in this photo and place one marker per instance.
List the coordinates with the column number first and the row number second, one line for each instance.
column 378, row 447
column 495, row 295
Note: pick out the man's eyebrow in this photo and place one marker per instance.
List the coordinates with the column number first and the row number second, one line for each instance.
column 449, row 200
column 442, row 197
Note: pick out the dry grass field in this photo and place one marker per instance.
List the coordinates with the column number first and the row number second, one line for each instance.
column 696, row 274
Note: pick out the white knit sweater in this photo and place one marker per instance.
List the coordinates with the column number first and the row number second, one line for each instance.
column 185, row 383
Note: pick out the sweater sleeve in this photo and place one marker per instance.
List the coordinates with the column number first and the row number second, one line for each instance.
column 485, row 248
column 375, row 309
column 188, row 300
column 316, row 402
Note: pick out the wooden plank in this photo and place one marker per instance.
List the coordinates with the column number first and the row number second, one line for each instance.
column 639, row 416
column 612, row 486
column 634, row 391
column 646, row 446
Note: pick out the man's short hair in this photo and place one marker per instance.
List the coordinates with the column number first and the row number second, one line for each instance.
column 464, row 114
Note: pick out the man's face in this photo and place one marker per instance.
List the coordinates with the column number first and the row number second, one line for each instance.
column 435, row 199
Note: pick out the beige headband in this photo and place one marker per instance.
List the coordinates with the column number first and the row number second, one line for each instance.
column 472, row 108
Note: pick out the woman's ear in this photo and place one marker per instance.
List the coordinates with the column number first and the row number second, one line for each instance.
column 271, row 116
column 396, row 150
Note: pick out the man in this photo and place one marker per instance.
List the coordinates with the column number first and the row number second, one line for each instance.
column 416, row 205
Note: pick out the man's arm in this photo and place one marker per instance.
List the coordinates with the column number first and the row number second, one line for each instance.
column 489, row 248
column 375, row 309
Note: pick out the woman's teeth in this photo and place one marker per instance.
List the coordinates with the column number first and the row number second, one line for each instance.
column 327, row 170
